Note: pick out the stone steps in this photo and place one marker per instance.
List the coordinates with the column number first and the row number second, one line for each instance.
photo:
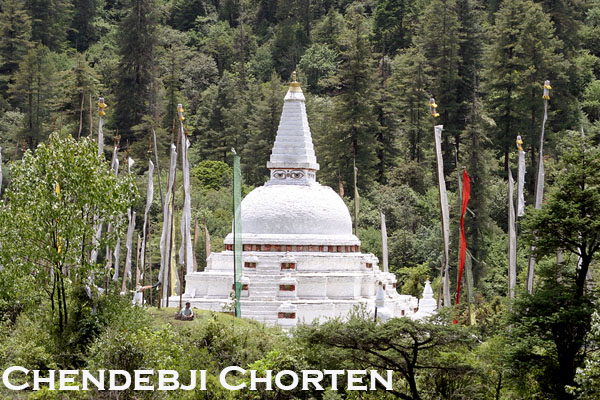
column 261, row 311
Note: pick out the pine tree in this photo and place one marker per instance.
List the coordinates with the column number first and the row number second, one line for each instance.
column 263, row 130
column 79, row 83
column 32, row 90
column 15, row 36
column 82, row 32
column 522, row 55
column 439, row 41
column 409, row 80
column 470, row 58
column 49, row 19
column 393, row 27
column 354, row 120
column 388, row 133
column 478, row 161
column 137, row 41
column 221, row 119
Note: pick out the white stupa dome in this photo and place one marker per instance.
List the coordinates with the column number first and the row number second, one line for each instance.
column 296, row 210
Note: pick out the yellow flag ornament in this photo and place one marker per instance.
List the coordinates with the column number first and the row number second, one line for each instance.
column 547, row 89
column 519, row 143
column 433, row 108
column 101, row 107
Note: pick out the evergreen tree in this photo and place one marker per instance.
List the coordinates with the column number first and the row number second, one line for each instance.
column 288, row 46
column 15, row 36
column 185, row 12
column 318, row 62
column 221, row 119
column 557, row 316
column 478, row 161
column 263, row 130
column 329, row 30
column 79, row 83
column 49, row 19
column 439, row 40
column 470, row 58
column 82, row 32
column 137, row 41
column 387, row 135
column 410, row 77
column 355, row 125
column 219, row 44
column 522, row 55
column 393, row 25
column 33, row 90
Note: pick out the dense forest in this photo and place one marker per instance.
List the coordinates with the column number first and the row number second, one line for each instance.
column 368, row 70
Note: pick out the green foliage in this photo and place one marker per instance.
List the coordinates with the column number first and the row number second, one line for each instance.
column 62, row 179
column 317, row 63
column 15, row 36
column 522, row 55
column 414, row 350
column 586, row 378
column 393, row 24
column 354, row 124
column 136, row 43
column 212, row 174
column 562, row 301
column 49, row 18
column 33, row 90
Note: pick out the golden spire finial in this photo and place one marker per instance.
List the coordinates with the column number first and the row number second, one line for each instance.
column 295, row 85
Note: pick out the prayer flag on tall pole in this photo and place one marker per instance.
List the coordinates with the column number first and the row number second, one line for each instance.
column 196, row 233
column 443, row 196
column 165, row 238
column 539, row 183
column 149, row 197
column 129, row 237
column 356, row 198
column 186, row 255
column 237, row 232
column 0, row 170
column 384, row 247
column 512, row 240
column 207, row 241
column 129, row 247
column 174, row 283
column 101, row 114
column 137, row 265
column 117, row 250
column 162, row 203
column 466, row 195
column 520, row 178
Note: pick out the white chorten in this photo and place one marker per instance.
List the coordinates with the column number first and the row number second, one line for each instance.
column 300, row 259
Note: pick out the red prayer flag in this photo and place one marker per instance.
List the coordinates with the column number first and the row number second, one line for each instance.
column 466, row 194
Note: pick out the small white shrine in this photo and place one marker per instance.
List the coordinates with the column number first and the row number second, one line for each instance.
column 301, row 261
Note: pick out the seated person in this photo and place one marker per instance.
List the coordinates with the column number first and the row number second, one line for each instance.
column 186, row 314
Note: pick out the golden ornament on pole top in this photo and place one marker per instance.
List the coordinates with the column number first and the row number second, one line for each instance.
column 433, row 108
column 519, row 143
column 547, row 89
column 101, row 106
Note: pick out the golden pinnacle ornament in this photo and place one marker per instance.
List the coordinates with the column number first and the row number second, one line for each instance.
column 101, row 107
column 547, row 89
column 519, row 143
column 433, row 108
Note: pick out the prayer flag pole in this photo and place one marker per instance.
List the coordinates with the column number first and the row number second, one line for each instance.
column 539, row 185
column 444, row 210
